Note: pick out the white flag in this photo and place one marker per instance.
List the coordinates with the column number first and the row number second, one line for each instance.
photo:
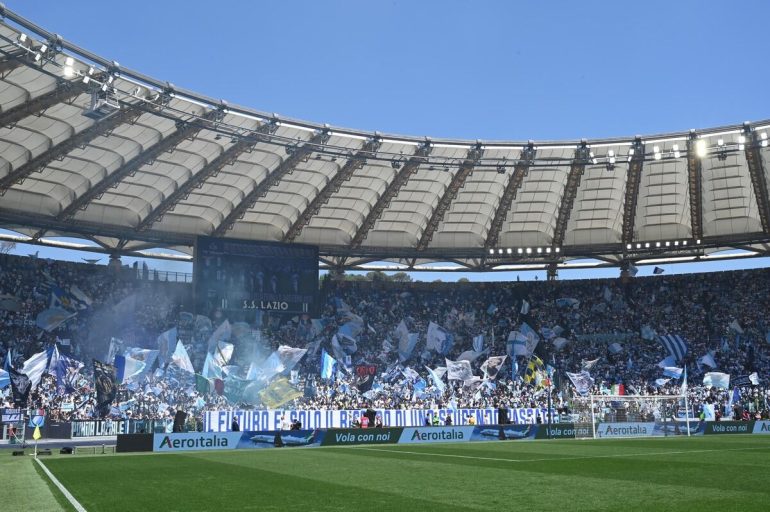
column 181, row 359
column 458, row 370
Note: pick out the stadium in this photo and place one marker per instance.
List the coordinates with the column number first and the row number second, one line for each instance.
column 302, row 365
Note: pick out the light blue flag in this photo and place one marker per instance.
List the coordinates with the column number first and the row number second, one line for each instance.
column 328, row 364
column 5, row 379
column 716, row 379
column 406, row 346
column 673, row 372
column 437, row 380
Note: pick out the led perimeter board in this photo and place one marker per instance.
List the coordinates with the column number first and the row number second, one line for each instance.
column 244, row 277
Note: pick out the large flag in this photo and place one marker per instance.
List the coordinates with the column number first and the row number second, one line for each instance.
column 66, row 370
column 437, row 379
column 478, row 343
column 5, row 379
column 492, row 366
column 469, row 355
column 278, row 393
column 20, row 387
column 517, row 344
column 735, row 326
column 648, row 333
column 587, row 365
column 708, row 360
column 106, row 390
column 211, row 370
column 675, row 345
column 582, row 381
column 438, row 339
column 668, row 361
column 401, row 333
column 524, row 307
column 717, row 380
column 223, row 352
column 328, row 364
column 406, row 346
column 673, row 372
column 458, row 370
column 567, row 302
column 289, row 356
column 223, row 332
column 145, row 355
column 560, row 343
column 128, row 368
column 534, row 370
column 166, row 342
column 181, row 359
column 51, row 318
column 35, row 366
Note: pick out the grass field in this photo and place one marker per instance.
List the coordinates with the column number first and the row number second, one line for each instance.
column 703, row 473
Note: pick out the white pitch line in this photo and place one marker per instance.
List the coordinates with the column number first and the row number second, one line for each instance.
column 555, row 459
column 75, row 503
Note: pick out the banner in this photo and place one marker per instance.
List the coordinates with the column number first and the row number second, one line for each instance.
column 270, row 419
column 99, row 428
column 347, row 437
column 761, row 427
column 729, row 427
column 11, row 415
column 564, row 431
column 631, row 429
column 426, row 435
column 183, row 442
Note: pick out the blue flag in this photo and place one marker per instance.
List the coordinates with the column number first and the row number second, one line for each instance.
column 328, row 364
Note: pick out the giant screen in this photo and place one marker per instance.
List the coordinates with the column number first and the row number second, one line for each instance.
column 244, row 277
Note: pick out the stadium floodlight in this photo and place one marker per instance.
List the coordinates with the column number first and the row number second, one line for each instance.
column 646, row 245
column 519, row 250
column 697, row 241
column 720, row 142
column 656, row 151
column 529, row 250
column 741, row 142
column 676, row 242
column 509, row 250
column 22, row 38
column 43, row 48
column 558, row 249
column 539, row 250
column 668, row 244
column 548, row 250
column 69, row 70
column 491, row 251
column 629, row 246
column 500, row 251
column 675, row 147
column 86, row 79
column 638, row 246
column 657, row 244
column 593, row 158
column 684, row 242
column 763, row 137
column 700, row 148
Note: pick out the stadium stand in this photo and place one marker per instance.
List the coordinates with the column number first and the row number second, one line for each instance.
column 722, row 318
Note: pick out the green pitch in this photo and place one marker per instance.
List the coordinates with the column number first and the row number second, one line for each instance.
column 703, row 473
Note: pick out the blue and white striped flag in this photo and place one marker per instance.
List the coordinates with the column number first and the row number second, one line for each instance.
column 673, row 372
column 675, row 345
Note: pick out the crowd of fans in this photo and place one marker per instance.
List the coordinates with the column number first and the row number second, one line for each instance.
column 724, row 315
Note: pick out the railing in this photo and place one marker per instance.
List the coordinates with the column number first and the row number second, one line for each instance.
column 163, row 275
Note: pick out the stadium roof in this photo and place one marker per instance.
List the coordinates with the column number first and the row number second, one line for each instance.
column 94, row 150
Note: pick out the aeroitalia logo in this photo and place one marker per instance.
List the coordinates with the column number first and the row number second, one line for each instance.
column 193, row 441
column 436, row 435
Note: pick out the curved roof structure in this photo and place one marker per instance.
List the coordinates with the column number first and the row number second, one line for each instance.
column 90, row 149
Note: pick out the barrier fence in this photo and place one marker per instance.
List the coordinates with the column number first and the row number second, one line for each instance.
column 194, row 441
